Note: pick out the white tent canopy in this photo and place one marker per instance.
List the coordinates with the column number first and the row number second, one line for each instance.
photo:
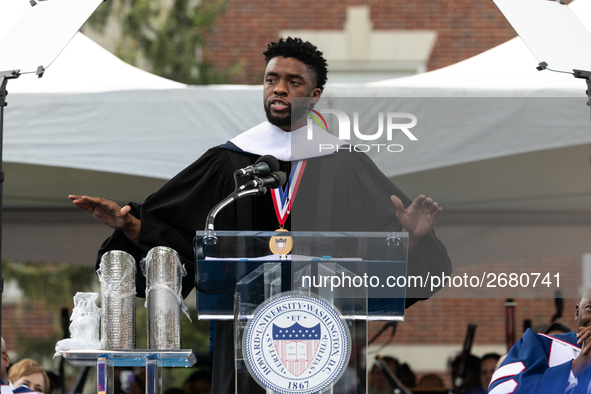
column 86, row 67
column 94, row 124
column 92, row 111
column 154, row 127
column 506, row 70
column 82, row 67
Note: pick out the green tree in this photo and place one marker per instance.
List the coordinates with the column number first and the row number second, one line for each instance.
column 53, row 285
column 166, row 37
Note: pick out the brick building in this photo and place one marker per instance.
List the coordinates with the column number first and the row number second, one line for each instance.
column 363, row 41
column 399, row 37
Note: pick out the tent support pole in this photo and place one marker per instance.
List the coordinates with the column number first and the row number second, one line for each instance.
column 4, row 77
column 586, row 75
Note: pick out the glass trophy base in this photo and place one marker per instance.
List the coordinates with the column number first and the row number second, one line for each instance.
column 130, row 358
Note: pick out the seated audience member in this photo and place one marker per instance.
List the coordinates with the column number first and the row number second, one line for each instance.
column 488, row 366
column 5, row 364
column 406, row 375
column 500, row 362
column 378, row 384
column 471, row 381
column 431, row 381
column 28, row 373
column 555, row 329
column 54, row 382
column 539, row 363
column 126, row 381
column 198, row 383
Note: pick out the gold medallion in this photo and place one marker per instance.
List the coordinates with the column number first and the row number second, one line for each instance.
column 280, row 244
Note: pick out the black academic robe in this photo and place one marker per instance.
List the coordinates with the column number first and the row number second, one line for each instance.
column 339, row 192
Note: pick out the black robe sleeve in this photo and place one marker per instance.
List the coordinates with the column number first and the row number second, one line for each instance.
column 171, row 216
column 372, row 210
column 354, row 195
column 341, row 192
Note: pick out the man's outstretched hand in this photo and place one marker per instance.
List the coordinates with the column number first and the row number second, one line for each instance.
column 111, row 214
column 418, row 219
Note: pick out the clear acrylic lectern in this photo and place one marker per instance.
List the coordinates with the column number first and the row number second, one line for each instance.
column 362, row 276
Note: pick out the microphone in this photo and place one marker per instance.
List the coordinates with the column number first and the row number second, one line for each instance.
column 273, row 180
column 255, row 187
column 262, row 166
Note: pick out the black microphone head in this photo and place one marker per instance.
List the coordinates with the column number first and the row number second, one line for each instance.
column 280, row 179
column 271, row 161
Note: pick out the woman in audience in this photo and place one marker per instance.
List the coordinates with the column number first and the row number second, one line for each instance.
column 28, row 373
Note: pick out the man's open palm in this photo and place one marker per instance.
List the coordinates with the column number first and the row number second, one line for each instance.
column 419, row 217
column 107, row 212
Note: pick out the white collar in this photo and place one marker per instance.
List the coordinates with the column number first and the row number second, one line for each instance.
column 268, row 139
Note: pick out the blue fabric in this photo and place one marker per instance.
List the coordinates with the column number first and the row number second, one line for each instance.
column 533, row 350
column 230, row 146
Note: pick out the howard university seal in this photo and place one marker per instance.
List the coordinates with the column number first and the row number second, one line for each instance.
column 296, row 344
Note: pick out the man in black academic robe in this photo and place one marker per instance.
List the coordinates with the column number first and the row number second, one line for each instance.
column 343, row 191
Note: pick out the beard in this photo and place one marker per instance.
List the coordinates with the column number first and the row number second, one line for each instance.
column 286, row 120
column 279, row 121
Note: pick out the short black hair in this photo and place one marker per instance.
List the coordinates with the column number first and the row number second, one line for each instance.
column 305, row 52
column 555, row 327
column 493, row 356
